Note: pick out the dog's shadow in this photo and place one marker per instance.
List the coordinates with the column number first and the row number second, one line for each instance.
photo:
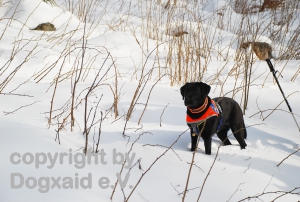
column 256, row 139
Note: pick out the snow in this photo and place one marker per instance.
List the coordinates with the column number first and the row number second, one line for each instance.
column 29, row 143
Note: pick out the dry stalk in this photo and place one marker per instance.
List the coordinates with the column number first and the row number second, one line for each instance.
column 54, row 92
column 94, row 85
column 14, row 72
column 236, row 191
column 10, row 20
column 77, row 78
column 164, row 147
column 192, row 163
column 153, row 165
column 272, row 110
column 162, row 114
column 148, row 98
column 141, row 82
column 122, row 168
column 99, row 132
column 144, row 78
column 216, row 159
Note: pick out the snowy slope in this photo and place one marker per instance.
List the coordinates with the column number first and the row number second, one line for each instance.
column 35, row 167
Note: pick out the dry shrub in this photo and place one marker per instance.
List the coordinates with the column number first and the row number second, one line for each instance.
column 248, row 7
column 261, row 49
column 245, row 7
column 176, row 32
column 51, row 2
column 271, row 4
column 45, row 27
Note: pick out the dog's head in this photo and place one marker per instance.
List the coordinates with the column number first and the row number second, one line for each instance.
column 194, row 93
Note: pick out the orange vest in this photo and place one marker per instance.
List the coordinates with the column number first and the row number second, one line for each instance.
column 211, row 111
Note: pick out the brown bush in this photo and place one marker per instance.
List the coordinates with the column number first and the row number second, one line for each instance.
column 270, row 4
column 45, row 27
column 245, row 7
column 261, row 49
column 249, row 7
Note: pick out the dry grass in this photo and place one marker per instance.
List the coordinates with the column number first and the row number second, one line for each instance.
column 190, row 38
column 191, row 41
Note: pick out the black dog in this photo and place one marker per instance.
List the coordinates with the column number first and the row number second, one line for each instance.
column 221, row 114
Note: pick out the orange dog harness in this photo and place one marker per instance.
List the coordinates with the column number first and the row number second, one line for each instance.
column 211, row 111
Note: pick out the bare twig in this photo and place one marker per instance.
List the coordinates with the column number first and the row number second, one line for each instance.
column 7, row 113
column 235, row 191
column 162, row 114
column 268, row 184
column 272, row 192
column 248, row 167
column 192, row 163
column 16, row 94
column 196, row 166
column 165, row 147
column 272, row 110
column 216, row 158
column 175, row 188
column 116, row 183
column 99, row 132
column 288, row 156
column 149, row 98
column 153, row 165
column 189, row 190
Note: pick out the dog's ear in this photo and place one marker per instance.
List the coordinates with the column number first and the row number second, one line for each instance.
column 182, row 91
column 204, row 88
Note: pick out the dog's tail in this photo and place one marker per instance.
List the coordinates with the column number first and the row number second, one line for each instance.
column 245, row 134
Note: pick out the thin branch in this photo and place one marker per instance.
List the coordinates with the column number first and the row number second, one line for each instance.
column 122, row 168
column 192, row 163
column 272, row 192
column 162, row 114
column 235, row 191
column 6, row 113
column 153, row 164
column 247, row 168
column 288, row 157
column 268, row 184
column 163, row 146
column 16, row 94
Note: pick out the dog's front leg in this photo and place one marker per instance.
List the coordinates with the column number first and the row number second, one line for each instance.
column 207, row 145
column 194, row 138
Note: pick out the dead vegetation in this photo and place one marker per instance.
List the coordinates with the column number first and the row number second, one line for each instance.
column 45, row 27
column 255, row 6
column 262, row 50
column 190, row 40
column 271, row 4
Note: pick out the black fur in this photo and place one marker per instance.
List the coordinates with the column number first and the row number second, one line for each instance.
column 194, row 95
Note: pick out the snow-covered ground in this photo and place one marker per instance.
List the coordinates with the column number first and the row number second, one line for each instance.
column 37, row 67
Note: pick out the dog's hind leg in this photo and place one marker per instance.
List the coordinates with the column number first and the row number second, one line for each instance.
column 240, row 138
column 222, row 134
column 239, row 134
